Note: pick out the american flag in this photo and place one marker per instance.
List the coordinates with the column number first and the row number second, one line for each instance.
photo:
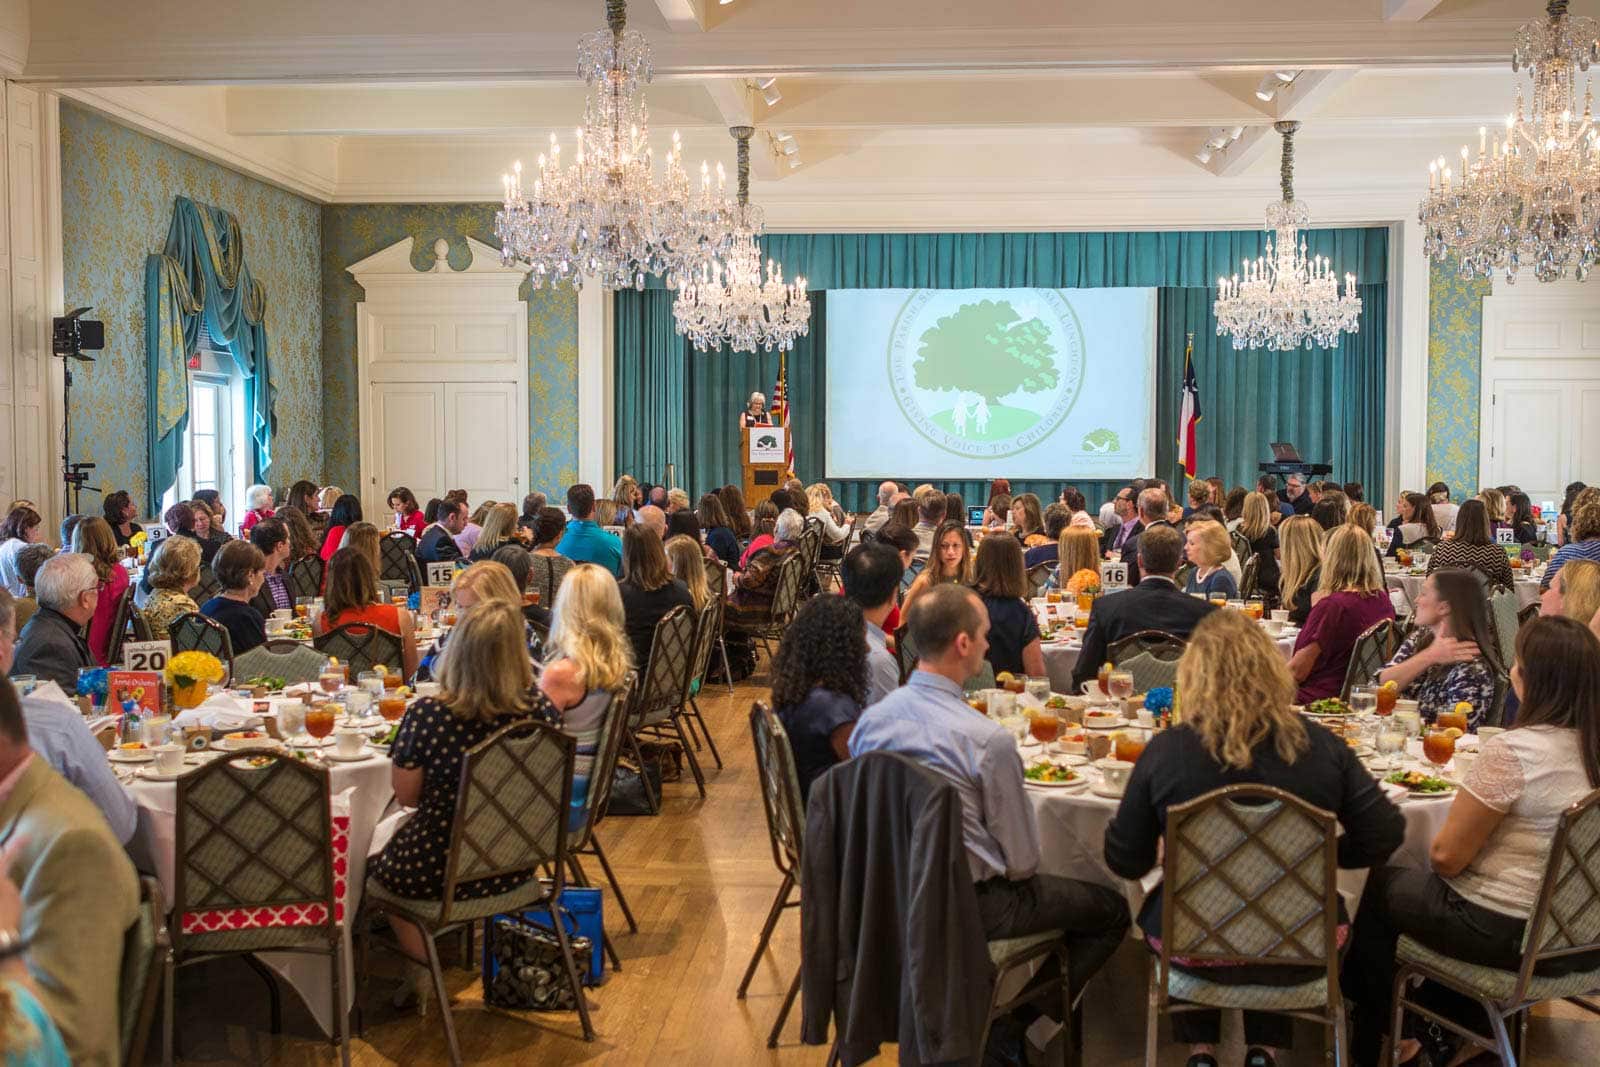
column 1189, row 411
column 780, row 412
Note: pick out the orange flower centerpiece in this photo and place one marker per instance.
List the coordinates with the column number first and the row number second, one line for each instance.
column 188, row 674
column 1085, row 581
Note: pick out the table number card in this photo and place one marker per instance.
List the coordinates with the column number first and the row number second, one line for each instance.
column 441, row 573
column 1114, row 575
column 146, row 655
column 1505, row 536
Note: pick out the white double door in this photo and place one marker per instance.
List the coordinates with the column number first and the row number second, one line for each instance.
column 432, row 437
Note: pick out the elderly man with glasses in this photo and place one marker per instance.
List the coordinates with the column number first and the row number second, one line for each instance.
column 52, row 645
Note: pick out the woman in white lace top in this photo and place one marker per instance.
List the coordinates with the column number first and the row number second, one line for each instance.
column 1489, row 857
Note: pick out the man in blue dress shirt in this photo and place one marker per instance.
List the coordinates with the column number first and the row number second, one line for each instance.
column 929, row 720
column 585, row 541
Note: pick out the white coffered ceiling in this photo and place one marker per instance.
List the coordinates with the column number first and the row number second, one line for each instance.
column 920, row 114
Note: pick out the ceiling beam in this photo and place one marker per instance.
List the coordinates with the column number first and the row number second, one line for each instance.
column 1300, row 102
column 1408, row 10
column 736, row 102
column 683, row 16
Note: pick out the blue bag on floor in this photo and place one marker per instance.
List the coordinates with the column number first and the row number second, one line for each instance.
column 584, row 916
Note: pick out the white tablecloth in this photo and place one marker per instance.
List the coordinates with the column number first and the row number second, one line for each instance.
column 1061, row 657
column 1527, row 589
column 369, row 781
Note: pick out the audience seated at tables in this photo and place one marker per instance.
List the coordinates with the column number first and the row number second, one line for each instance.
column 485, row 582
column 1453, row 655
column 1583, row 542
column 271, row 536
column 79, row 894
column 438, row 541
column 1444, row 512
column 93, row 538
column 119, row 513
column 499, row 528
column 1077, row 550
column 29, row 560
column 1413, row 524
column 51, row 646
column 1156, row 603
column 353, row 596
column 951, row 561
column 819, row 684
column 22, row 527
column 408, row 516
column 720, row 535
column 687, row 562
column 240, row 569
column 1002, row 585
column 584, row 541
column 1488, row 860
column 648, row 589
column 58, row 731
column 486, row 682
column 547, row 566
column 1575, row 594
column 870, row 575
column 303, row 543
column 346, row 512
column 1153, row 512
column 928, row 721
column 1300, row 571
column 588, row 659
column 1351, row 597
column 1056, row 518
column 756, row 585
column 258, row 504
column 1473, row 548
column 1239, row 728
column 1209, row 546
column 173, row 571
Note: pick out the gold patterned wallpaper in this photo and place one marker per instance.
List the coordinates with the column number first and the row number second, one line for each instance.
column 1455, row 361
column 350, row 233
column 117, row 189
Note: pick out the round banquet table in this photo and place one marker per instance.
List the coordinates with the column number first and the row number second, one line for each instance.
column 370, row 791
column 1527, row 589
column 1061, row 657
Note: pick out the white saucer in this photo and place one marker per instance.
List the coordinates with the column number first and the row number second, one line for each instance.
column 135, row 755
column 1100, row 789
column 150, row 774
column 335, row 757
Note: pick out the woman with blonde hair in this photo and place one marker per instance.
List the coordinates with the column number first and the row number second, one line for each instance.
column 950, row 561
column 484, row 582
column 1301, row 567
column 1078, row 550
column 1209, row 546
column 1255, row 525
column 688, row 564
column 819, row 506
column 94, row 538
column 173, row 571
column 1238, row 728
column 327, row 497
column 499, row 528
column 1575, row 593
column 626, row 495
column 587, row 662
column 1350, row 598
column 1494, row 501
column 364, row 537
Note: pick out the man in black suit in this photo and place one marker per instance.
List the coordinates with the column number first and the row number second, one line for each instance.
column 1153, row 507
column 438, row 542
column 1156, row 603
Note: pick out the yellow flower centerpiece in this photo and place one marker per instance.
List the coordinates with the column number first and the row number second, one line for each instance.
column 1084, row 581
column 188, row 673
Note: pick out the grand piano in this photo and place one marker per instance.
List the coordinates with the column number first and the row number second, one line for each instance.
column 1286, row 461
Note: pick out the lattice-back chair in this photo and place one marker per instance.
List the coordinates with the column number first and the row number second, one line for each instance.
column 827, row 570
column 193, row 632
column 1372, row 649
column 305, row 577
column 397, row 560
column 717, row 583
column 144, row 952
column 363, row 646
column 263, row 601
column 206, row 585
column 1527, row 614
column 1495, row 713
column 1248, row 577
column 905, row 657
column 510, row 822
column 1503, row 613
column 280, row 657
column 138, row 626
column 1565, row 923
column 1185, row 572
column 786, row 825
column 792, row 571
column 1151, row 656
column 1241, row 546
column 657, row 710
column 119, row 624
column 1038, row 575
column 707, row 633
column 1250, row 877
column 255, row 834
column 582, row 839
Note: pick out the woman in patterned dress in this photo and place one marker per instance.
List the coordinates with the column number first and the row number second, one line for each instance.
column 1453, row 655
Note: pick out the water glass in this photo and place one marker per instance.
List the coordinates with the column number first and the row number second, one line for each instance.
column 357, row 704
column 1038, row 687
column 292, row 722
column 371, row 682
column 1363, row 699
column 1391, row 741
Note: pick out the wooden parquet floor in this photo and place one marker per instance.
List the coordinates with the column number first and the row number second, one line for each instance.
column 700, row 878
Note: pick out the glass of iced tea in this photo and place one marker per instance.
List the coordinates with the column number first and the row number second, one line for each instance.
column 1045, row 726
column 1085, row 601
column 1448, row 719
column 1387, row 696
column 392, row 680
column 1120, row 684
column 1014, row 684
column 1129, row 746
column 391, row 707
column 1255, row 608
column 1052, row 596
column 320, row 720
column 302, row 606
column 1103, row 677
column 1438, row 747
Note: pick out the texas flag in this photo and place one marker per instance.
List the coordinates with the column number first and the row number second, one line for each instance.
column 1188, row 412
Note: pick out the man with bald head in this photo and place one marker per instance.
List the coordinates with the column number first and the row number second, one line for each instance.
column 1153, row 508
column 654, row 518
column 887, row 491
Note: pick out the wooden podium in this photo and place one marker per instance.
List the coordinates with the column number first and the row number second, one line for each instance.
column 761, row 478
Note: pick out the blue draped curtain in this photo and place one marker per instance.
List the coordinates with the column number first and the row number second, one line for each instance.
column 200, row 278
column 676, row 405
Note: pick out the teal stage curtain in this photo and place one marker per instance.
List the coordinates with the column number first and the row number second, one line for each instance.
column 675, row 405
column 200, row 277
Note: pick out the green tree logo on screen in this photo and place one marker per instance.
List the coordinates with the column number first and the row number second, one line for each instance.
column 990, row 376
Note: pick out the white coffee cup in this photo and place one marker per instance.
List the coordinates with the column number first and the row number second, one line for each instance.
column 1486, row 732
column 349, row 742
column 1274, row 627
column 1145, row 717
column 282, row 614
column 1090, row 688
column 1280, row 615
column 1463, row 763
column 427, row 689
column 169, row 758
column 1115, row 772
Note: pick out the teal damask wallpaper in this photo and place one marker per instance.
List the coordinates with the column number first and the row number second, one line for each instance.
column 350, row 233
column 1455, row 358
column 117, row 189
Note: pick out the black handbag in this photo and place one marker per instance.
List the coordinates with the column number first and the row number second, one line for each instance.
column 523, row 970
column 627, row 790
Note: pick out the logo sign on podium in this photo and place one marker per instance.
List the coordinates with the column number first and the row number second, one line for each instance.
column 146, row 655
column 766, row 444
column 1114, row 575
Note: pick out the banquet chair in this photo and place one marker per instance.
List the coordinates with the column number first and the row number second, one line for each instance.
column 581, row 840
column 1185, row 572
column 144, row 951
column 137, row 626
column 206, row 586
column 280, row 657
column 263, row 602
column 827, row 570
column 1241, row 546
column 657, row 709
column 717, row 583
column 1371, row 650
column 1527, row 614
column 362, row 646
column 785, row 602
column 1503, row 611
column 810, row 544
column 510, row 819
column 1038, row 575
column 397, row 560
column 194, row 632
column 1251, row 879
column 707, row 634
column 786, row 825
column 305, row 577
column 1565, row 922
column 119, row 624
column 254, row 872
column 904, row 656
column 1248, row 577
column 1151, row 656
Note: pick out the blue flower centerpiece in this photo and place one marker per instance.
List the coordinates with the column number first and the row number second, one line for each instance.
column 1158, row 700
column 92, row 683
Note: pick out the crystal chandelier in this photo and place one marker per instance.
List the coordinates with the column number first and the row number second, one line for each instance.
column 1533, row 198
column 729, row 302
column 608, row 215
column 1286, row 300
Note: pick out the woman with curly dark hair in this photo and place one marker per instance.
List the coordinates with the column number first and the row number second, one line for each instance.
column 819, row 683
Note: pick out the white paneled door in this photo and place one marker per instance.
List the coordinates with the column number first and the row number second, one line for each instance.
column 481, row 427
column 408, row 419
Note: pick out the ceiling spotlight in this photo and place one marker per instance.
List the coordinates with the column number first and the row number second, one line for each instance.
column 1204, row 155
column 782, row 136
column 1267, row 89
column 1236, row 133
column 794, row 162
column 1286, row 76
column 791, row 147
column 1218, row 140
column 771, row 95
column 766, row 83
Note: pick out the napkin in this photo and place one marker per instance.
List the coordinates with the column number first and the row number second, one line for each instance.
column 222, row 712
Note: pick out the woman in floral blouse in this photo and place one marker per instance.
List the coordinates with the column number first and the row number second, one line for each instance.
column 1453, row 655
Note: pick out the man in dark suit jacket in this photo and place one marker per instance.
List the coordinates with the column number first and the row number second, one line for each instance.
column 1153, row 505
column 438, row 541
column 1156, row 603
column 1126, row 506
